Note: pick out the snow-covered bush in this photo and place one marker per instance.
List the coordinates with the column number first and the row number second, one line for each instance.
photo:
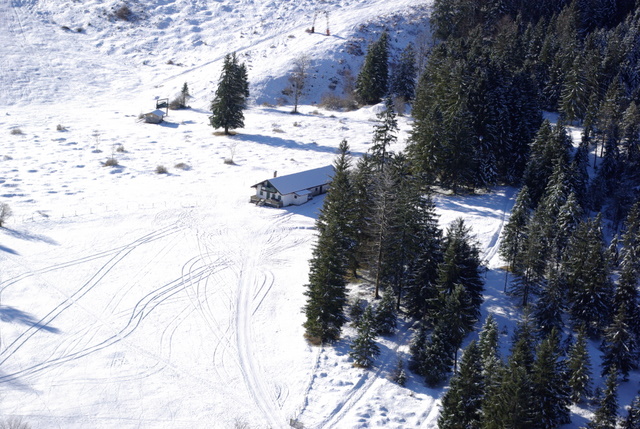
column 5, row 213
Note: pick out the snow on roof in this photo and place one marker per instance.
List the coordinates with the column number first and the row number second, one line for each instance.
column 157, row 112
column 302, row 180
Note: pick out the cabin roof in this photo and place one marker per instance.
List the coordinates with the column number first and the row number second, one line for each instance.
column 301, row 181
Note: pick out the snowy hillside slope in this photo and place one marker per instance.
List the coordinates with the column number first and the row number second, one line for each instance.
column 131, row 299
column 53, row 53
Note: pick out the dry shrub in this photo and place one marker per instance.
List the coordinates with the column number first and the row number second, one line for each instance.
column 176, row 104
column 5, row 213
column 14, row 423
column 315, row 341
column 335, row 102
column 111, row 162
column 161, row 169
column 182, row 166
column 61, row 127
column 123, row 13
column 16, row 132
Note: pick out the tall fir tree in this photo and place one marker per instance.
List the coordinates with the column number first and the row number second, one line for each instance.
column 338, row 207
column 606, row 415
column 373, row 80
column 488, row 343
column 579, row 369
column 438, row 357
column 619, row 345
column 550, row 392
column 456, row 318
column 386, row 317
column 326, row 291
column 403, row 80
column 420, row 297
column 364, row 349
column 417, row 231
column 632, row 421
column 461, row 265
column 384, row 135
column 514, row 235
column 551, row 306
column 461, row 404
column 587, row 275
column 417, row 349
column 231, row 96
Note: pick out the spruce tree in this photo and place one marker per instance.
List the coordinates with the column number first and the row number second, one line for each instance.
column 184, row 95
column 488, row 344
column 417, row 350
column 338, row 207
column 573, row 98
column 551, row 305
column 420, row 297
column 632, row 421
column 461, row 404
column 588, row 277
column 456, row 317
column 550, row 392
column 569, row 216
column 326, row 291
column 386, row 316
column 515, row 230
column 461, row 265
column 403, row 80
column 384, row 134
column 508, row 405
column 619, row 345
column 415, row 228
column 438, row 357
column 631, row 242
column 606, row 415
column 364, row 349
column 230, row 97
column 579, row 369
column 372, row 81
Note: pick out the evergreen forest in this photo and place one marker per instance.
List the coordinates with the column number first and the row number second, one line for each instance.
column 503, row 83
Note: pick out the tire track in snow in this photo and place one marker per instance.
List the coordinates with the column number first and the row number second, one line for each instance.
column 253, row 286
column 102, row 272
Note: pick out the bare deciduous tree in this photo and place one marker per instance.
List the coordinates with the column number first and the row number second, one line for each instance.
column 298, row 79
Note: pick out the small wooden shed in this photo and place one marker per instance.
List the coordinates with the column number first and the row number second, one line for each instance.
column 154, row 117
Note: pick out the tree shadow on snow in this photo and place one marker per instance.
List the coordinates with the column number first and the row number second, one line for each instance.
column 493, row 205
column 8, row 250
column 289, row 144
column 23, row 235
column 13, row 315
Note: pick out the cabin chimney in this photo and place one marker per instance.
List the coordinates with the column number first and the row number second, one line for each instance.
column 275, row 173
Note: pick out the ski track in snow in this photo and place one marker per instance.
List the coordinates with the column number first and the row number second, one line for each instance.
column 493, row 247
column 141, row 310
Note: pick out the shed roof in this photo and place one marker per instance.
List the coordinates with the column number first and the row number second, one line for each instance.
column 156, row 112
column 302, row 180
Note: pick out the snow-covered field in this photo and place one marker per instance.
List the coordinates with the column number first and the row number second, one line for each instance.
column 135, row 299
